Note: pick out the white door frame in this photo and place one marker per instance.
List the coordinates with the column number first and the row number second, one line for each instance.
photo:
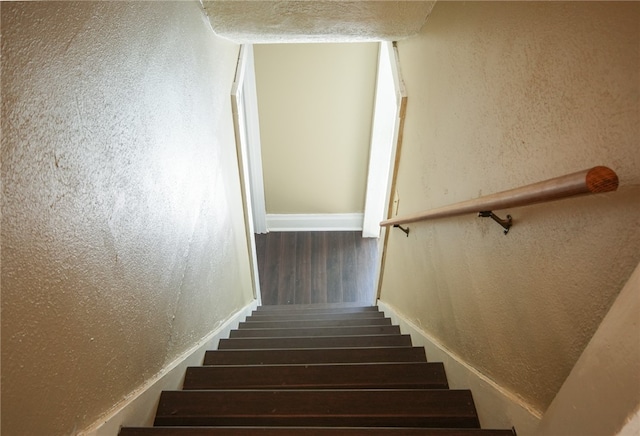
column 386, row 124
column 385, row 132
column 244, row 101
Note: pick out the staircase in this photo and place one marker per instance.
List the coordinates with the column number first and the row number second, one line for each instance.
column 316, row 370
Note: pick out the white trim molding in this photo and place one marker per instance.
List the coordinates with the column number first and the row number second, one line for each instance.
column 385, row 133
column 247, row 128
column 139, row 407
column 314, row 222
column 244, row 102
column 496, row 406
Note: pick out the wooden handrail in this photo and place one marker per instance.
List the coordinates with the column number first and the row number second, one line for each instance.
column 591, row 181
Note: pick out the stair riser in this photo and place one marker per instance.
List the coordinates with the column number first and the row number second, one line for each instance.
column 311, row 421
column 260, row 316
column 316, row 342
column 313, row 309
column 320, row 331
column 375, row 408
column 314, row 324
column 283, row 431
column 351, row 376
column 340, row 355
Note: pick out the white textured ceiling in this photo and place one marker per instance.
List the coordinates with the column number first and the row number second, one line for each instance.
column 316, row 21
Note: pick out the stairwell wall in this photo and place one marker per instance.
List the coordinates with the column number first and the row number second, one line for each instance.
column 316, row 104
column 502, row 95
column 123, row 241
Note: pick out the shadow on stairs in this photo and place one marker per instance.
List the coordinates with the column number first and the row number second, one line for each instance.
column 332, row 369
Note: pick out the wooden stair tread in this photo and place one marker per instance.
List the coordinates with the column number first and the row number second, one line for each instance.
column 345, row 408
column 417, row 375
column 317, row 323
column 316, row 370
column 316, row 342
column 309, row 431
column 326, row 355
column 316, row 331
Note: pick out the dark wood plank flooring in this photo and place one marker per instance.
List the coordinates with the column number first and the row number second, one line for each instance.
column 316, row 267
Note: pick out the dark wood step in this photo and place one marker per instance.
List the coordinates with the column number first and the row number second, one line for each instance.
column 324, row 307
column 316, row 342
column 316, row 331
column 319, row 408
column 271, row 316
column 317, row 431
column 317, row 323
column 338, row 376
column 308, row 356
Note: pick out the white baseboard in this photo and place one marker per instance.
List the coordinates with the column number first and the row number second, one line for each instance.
column 314, row 222
column 139, row 407
column 497, row 407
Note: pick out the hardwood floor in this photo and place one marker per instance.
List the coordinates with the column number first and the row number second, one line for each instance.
column 316, row 267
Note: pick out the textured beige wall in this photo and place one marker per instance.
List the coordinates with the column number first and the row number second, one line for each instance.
column 602, row 392
column 315, row 105
column 272, row 21
column 122, row 232
column 501, row 95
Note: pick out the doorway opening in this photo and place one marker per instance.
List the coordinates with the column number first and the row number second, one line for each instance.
column 274, row 180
